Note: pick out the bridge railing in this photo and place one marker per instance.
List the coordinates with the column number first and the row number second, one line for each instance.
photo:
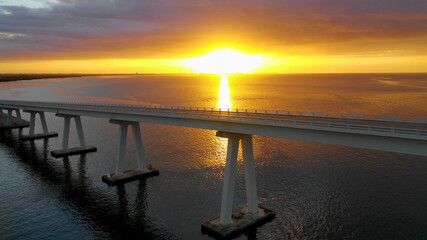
column 235, row 111
column 253, row 112
column 224, row 116
column 308, row 124
column 264, row 118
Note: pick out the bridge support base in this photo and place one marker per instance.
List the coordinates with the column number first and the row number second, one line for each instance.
column 241, row 221
column 120, row 175
column 7, row 121
column 32, row 135
column 128, row 176
column 39, row 136
column 65, row 151
column 229, row 222
column 73, row 151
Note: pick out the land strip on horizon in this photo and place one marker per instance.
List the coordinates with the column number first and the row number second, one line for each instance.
column 7, row 77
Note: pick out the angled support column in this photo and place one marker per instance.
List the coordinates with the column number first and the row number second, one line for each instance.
column 121, row 175
column 233, row 223
column 229, row 181
column 80, row 132
column 9, row 121
column 250, row 179
column 9, row 116
column 31, row 135
column 10, row 111
column 121, row 149
column 140, row 156
column 66, row 132
column 66, row 151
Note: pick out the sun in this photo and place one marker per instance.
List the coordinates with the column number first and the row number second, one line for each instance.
column 224, row 61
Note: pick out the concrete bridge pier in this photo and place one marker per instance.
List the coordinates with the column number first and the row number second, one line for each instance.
column 9, row 115
column 31, row 135
column 121, row 175
column 10, row 121
column 233, row 223
column 66, row 151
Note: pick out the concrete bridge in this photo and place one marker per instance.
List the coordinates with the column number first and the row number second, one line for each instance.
column 386, row 133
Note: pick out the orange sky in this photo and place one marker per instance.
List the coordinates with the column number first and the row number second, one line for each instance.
column 129, row 36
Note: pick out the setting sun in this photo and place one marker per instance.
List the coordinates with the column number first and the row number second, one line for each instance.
column 224, row 61
column 245, row 108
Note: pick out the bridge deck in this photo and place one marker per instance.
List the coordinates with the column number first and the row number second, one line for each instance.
column 386, row 133
column 396, row 125
column 354, row 121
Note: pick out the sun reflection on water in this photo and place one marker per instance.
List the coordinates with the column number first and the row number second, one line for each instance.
column 224, row 101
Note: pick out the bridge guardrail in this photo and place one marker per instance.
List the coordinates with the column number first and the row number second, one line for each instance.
column 364, row 128
column 360, row 128
column 225, row 115
column 267, row 112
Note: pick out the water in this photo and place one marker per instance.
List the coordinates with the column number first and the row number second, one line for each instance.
column 317, row 191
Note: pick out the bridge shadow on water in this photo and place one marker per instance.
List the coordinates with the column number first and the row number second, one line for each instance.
column 109, row 218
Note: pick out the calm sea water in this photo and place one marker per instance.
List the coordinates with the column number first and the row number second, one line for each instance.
column 317, row 191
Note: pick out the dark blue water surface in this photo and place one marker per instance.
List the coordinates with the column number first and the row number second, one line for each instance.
column 318, row 191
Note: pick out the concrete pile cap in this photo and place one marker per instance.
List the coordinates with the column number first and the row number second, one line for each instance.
column 241, row 221
column 129, row 175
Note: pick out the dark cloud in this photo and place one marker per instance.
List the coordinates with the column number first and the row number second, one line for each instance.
column 172, row 28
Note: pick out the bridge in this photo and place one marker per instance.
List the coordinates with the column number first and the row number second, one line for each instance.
column 386, row 133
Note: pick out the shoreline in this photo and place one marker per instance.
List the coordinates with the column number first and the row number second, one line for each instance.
column 10, row 77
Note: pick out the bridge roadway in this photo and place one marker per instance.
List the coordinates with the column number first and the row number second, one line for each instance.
column 387, row 133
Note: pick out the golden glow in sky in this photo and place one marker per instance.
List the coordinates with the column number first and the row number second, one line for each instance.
column 224, row 61
column 365, row 37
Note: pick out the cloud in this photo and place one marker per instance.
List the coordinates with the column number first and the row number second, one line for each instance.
column 9, row 36
column 73, row 29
